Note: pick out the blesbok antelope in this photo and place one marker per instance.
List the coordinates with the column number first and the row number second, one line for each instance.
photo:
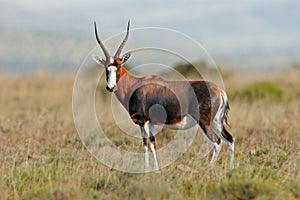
column 152, row 100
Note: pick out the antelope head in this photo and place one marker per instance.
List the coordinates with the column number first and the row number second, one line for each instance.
column 112, row 64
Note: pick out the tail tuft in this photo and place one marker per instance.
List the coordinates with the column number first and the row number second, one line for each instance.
column 226, row 109
column 225, row 118
column 225, row 133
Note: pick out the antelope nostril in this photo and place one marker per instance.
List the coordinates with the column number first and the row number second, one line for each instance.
column 110, row 89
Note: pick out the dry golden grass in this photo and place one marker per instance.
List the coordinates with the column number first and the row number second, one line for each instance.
column 43, row 157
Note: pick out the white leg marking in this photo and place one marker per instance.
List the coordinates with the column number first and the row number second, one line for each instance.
column 231, row 154
column 231, row 151
column 155, row 164
column 217, row 149
column 145, row 147
column 146, row 157
column 150, row 131
column 216, row 128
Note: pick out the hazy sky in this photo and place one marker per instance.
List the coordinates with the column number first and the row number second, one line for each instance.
column 213, row 16
column 225, row 27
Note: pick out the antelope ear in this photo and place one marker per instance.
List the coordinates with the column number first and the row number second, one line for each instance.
column 98, row 60
column 126, row 57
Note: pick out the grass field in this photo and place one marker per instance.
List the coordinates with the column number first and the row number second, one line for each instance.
column 42, row 157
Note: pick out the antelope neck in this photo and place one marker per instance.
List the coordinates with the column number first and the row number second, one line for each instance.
column 125, row 84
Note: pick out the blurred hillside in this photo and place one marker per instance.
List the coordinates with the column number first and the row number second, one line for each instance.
column 56, row 36
column 25, row 51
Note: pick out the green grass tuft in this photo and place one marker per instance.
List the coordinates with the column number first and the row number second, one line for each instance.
column 260, row 90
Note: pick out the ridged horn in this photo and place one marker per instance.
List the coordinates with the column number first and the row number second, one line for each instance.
column 107, row 56
column 123, row 42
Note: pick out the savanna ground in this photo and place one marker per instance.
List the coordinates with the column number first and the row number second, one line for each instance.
column 42, row 157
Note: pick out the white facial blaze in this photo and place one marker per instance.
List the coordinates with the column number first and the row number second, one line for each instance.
column 111, row 77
